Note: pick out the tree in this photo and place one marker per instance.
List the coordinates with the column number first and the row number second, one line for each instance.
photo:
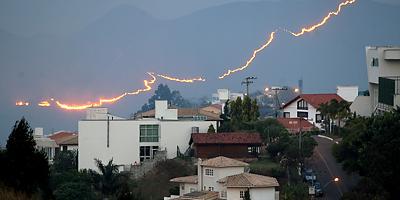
column 246, row 109
column 247, row 195
column 107, row 181
column 164, row 93
column 255, row 113
column 65, row 161
column 27, row 169
column 297, row 191
column 211, row 129
column 371, row 148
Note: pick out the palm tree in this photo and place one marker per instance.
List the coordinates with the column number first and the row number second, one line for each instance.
column 108, row 181
column 343, row 112
column 324, row 109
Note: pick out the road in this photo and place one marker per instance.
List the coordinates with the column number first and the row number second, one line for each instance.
column 326, row 168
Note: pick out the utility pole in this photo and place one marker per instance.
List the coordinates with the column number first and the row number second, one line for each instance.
column 247, row 81
column 277, row 103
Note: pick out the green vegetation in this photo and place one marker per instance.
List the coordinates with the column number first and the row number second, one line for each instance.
column 334, row 111
column 23, row 168
column 370, row 147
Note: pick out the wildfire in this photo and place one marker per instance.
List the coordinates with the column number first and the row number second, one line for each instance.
column 147, row 84
column 249, row 61
column 22, row 103
column 181, row 80
column 324, row 20
column 44, row 104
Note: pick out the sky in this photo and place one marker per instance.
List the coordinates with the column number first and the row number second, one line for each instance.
column 79, row 51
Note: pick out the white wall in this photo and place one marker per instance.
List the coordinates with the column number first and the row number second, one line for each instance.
column 362, row 106
column 348, row 93
column 187, row 188
column 219, row 173
column 124, row 139
column 255, row 193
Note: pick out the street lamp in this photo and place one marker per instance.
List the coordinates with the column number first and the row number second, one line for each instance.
column 336, row 179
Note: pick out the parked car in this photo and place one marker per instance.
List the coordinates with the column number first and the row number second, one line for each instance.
column 318, row 189
column 309, row 176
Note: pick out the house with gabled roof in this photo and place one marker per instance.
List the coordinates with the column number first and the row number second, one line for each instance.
column 228, row 178
column 306, row 106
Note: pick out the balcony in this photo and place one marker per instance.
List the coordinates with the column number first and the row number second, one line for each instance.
column 389, row 91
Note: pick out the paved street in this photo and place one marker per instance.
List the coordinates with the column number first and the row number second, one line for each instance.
column 326, row 168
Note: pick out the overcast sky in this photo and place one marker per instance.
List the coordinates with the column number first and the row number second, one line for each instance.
column 84, row 49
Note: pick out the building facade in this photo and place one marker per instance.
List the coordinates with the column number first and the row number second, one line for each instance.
column 383, row 67
column 306, row 106
column 228, row 179
column 130, row 141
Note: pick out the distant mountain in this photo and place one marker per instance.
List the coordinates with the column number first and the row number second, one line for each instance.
column 113, row 53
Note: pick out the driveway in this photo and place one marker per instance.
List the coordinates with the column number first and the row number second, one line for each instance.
column 326, row 168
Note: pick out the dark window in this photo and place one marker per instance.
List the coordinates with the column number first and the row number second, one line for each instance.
column 147, row 152
column 375, row 62
column 302, row 114
column 286, row 115
column 65, row 148
column 319, row 118
column 302, row 105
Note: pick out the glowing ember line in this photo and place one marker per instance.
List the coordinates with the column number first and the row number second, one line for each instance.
column 249, row 61
column 44, row 104
column 147, row 84
column 324, row 21
column 22, row 103
column 181, row 80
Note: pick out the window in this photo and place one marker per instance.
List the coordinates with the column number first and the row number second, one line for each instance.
column 210, row 188
column 192, row 189
column 241, row 195
column 223, row 194
column 375, row 62
column 183, row 187
column 147, row 152
column 199, row 118
column 64, row 148
column 286, row 115
column 149, row 133
column 209, row 172
column 318, row 118
column 302, row 114
column 302, row 105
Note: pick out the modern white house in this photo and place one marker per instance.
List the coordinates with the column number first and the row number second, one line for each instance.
column 131, row 141
column 306, row 106
column 224, row 95
column 46, row 144
column 348, row 93
column 383, row 67
column 228, row 179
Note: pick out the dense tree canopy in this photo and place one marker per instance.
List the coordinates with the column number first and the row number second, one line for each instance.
column 371, row 148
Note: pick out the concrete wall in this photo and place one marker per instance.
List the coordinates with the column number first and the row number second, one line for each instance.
column 255, row 193
column 348, row 93
column 219, row 173
column 124, row 142
column 362, row 106
column 188, row 188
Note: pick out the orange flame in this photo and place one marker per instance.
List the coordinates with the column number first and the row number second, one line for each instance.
column 22, row 103
column 181, row 80
column 249, row 61
column 44, row 104
column 147, row 84
column 324, row 21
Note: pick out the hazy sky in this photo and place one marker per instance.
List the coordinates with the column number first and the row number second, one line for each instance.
column 79, row 50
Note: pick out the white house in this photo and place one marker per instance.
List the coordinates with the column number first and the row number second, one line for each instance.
column 306, row 106
column 130, row 141
column 383, row 67
column 228, row 178
column 46, row 144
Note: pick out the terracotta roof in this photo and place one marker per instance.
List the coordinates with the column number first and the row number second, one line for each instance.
column 61, row 136
column 70, row 140
column 222, row 161
column 315, row 99
column 249, row 180
column 226, row 138
column 293, row 124
column 184, row 112
column 185, row 179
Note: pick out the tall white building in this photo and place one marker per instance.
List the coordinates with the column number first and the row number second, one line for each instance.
column 383, row 67
column 130, row 141
column 224, row 95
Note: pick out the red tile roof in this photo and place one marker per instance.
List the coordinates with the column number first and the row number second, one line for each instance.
column 293, row 124
column 62, row 136
column 226, row 138
column 315, row 99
